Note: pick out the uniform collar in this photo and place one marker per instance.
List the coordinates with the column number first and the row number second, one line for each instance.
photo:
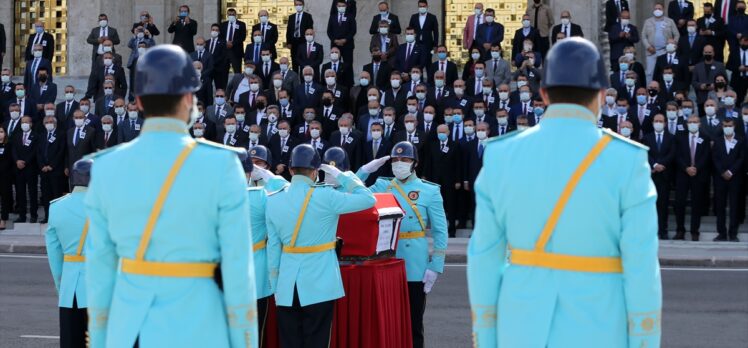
column 412, row 178
column 569, row 111
column 80, row 189
column 164, row 124
column 302, row 179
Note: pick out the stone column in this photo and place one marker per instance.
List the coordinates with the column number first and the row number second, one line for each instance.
column 82, row 17
column 6, row 18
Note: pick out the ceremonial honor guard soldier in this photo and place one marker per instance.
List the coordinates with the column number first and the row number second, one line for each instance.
column 302, row 261
column 338, row 158
column 422, row 202
column 154, row 248
column 65, row 238
column 582, row 266
column 260, row 176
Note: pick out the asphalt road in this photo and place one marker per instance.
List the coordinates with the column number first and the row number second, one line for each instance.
column 702, row 307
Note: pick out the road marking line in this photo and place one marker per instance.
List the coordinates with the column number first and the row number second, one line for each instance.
column 13, row 256
column 686, row 269
column 42, row 337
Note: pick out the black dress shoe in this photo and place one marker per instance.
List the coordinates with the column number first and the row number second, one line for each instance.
column 680, row 236
column 695, row 237
column 719, row 239
column 663, row 236
column 20, row 220
column 735, row 239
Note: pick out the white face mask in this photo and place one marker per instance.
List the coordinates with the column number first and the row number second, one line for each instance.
column 625, row 22
column 503, row 95
column 133, row 115
column 709, row 110
column 265, row 59
column 729, row 131
column 459, row 90
column 503, row 121
column 670, row 48
column 314, row 133
column 671, row 115
column 107, row 62
column 37, row 54
column 479, row 112
column 376, row 135
column 729, row 101
column 482, row 135
column 240, row 117
column 106, row 127
column 49, row 126
column 412, row 109
column 475, row 56
column 524, row 96
column 371, row 98
column 284, row 67
column 308, row 78
column 103, row 23
column 119, row 111
column 283, row 133
column 626, row 132
column 214, row 34
column 428, row 117
column 85, row 108
column 630, row 82
column 309, row 38
column 330, row 81
column 657, row 13
column 745, row 118
column 15, row 115
column 107, row 49
column 79, row 122
column 691, row 30
column 299, row 8
column 5, row 79
column 415, row 76
column 629, row 56
column 49, row 112
column 231, row 128
column 254, row 87
column 565, row 21
column 667, row 77
column 526, row 23
column 658, row 126
column 521, row 83
column 693, row 127
column 277, row 83
column 373, row 112
column 469, row 130
column 334, row 56
column 25, row 127
column 263, row 19
column 410, row 38
column 254, row 137
column 388, row 120
column 609, row 99
column 401, row 170
column 395, row 83
column 410, row 126
column 344, row 130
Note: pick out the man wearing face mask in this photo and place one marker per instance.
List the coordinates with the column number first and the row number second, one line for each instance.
column 108, row 47
column 305, row 243
column 710, row 124
column 661, row 160
column 621, row 35
column 521, row 35
column 541, row 18
column 515, row 274
column 80, row 140
column 693, row 164
column 680, row 12
column 268, row 30
column 138, row 47
column 64, row 109
column 341, row 28
column 281, row 145
column 656, row 32
column 43, row 38
column 426, row 27
column 219, row 110
column 106, row 137
column 524, row 106
column 209, row 128
column 303, row 129
column 146, row 22
column 100, row 34
column 315, row 138
column 429, row 124
column 385, row 15
column 203, row 55
column 728, row 109
column 423, row 205
column 566, row 27
column 503, row 126
column 443, row 166
column 529, row 67
column 253, row 51
column 167, row 162
column 375, row 114
column 88, row 112
column 98, row 78
column 379, row 71
column 727, row 154
column 33, row 66
column 338, row 91
column 489, row 33
column 309, row 93
column 343, row 71
column 738, row 64
column 26, row 172
column 274, row 88
column 712, row 27
column 384, row 41
column 396, row 95
column 50, row 158
column 626, row 130
column 410, row 53
column 130, row 128
column 266, row 68
column 309, row 53
column 7, row 88
column 184, row 29
column 269, row 128
column 642, row 114
column 44, row 90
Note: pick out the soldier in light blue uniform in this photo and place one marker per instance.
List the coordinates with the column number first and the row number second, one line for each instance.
column 65, row 237
column 155, row 246
column 578, row 268
column 422, row 202
column 302, row 220
column 261, row 176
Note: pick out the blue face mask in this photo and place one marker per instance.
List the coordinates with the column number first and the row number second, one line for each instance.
column 442, row 136
column 284, row 102
column 457, row 118
column 183, row 14
column 624, row 66
column 641, row 99
column 39, row 30
column 687, row 112
column 538, row 111
column 442, row 55
column 621, row 110
column 220, row 100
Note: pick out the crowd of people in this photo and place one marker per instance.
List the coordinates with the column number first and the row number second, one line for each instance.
column 410, row 90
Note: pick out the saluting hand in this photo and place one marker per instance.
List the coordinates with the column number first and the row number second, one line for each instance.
column 374, row 165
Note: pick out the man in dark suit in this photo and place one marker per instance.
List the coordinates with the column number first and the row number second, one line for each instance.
column 443, row 166
column 728, row 156
column 567, row 27
column 309, row 53
column 330, row 112
column 412, row 134
column 472, row 162
column 202, row 54
column 253, row 51
column 376, row 148
column 396, row 97
column 98, row 77
column 267, row 68
column 680, row 11
column 443, row 64
column 231, row 134
column 410, row 53
column 426, row 27
column 712, row 27
column 12, row 124
column 64, row 109
column 661, row 160
column 216, row 46
column 691, row 45
column 693, row 161
column 281, row 145
column 488, row 34
column 81, row 140
column 341, row 29
column 385, row 15
column 129, row 129
column 298, row 24
column 44, row 90
column 24, row 101
column 31, row 72
column 379, row 71
column 51, row 161
column 43, row 38
column 350, row 140
column 350, row 9
column 671, row 83
column 24, row 146
column 315, row 138
column 738, row 64
column 309, row 93
column 8, row 90
column 233, row 33
column 302, row 131
column 374, row 114
column 268, row 30
column 429, row 124
column 613, row 9
column 526, row 32
column 100, row 34
column 106, row 137
column 620, row 36
column 343, row 72
column 184, row 29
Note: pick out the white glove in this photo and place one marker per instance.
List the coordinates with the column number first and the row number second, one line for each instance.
column 374, row 165
column 261, row 174
column 330, row 170
column 429, row 278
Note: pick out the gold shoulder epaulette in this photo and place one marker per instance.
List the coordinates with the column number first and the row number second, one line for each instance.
column 624, row 139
